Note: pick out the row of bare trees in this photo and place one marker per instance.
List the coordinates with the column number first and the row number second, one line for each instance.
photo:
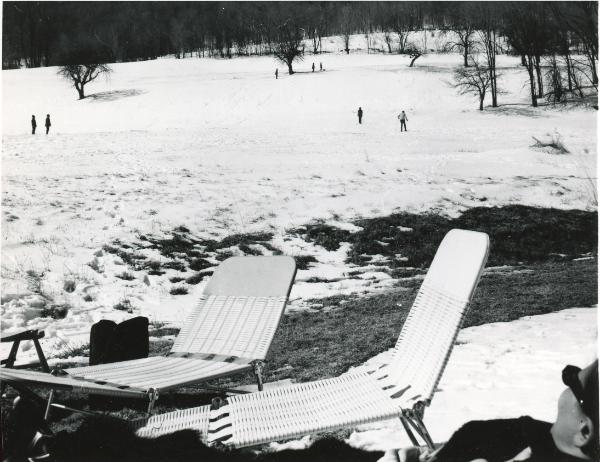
column 557, row 41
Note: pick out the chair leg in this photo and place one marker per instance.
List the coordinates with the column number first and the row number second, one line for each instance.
column 153, row 396
column 409, row 431
column 415, row 420
column 258, row 368
column 48, row 405
column 12, row 356
column 41, row 356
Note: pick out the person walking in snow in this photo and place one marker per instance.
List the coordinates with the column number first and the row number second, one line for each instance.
column 276, row 74
column 48, row 124
column 403, row 119
column 33, row 125
column 360, row 114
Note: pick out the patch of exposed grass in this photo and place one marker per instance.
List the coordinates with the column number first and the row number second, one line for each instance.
column 198, row 264
column 126, row 276
column 327, row 343
column 328, row 237
column 303, row 262
column 124, row 305
column 518, row 234
column 197, row 278
column 55, row 311
column 179, row 290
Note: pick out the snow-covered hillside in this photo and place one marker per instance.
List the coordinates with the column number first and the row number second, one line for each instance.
column 222, row 147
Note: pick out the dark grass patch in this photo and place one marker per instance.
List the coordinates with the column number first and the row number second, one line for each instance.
column 176, row 265
column 327, row 343
column 237, row 239
column 518, row 234
column 125, row 276
column 178, row 243
column 124, row 305
column 196, row 278
column 198, row 264
column 316, row 279
column 179, row 290
column 182, row 250
column 328, row 237
column 55, row 311
column 159, row 329
column 222, row 256
column 303, row 262
column 176, row 279
column 249, row 250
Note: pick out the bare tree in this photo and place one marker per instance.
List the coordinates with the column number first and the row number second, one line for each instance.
column 415, row 52
column 346, row 23
column 287, row 47
column 405, row 18
column 554, row 78
column 488, row 14
column 463, row 27
column 474, row 79
column 582, row 19
column 527, row 32
column 82, row 74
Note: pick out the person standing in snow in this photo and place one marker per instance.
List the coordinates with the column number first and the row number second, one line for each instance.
column 360, row 114
column 33, row 125
column 313, row 67
column 276, row 74
column 321, row 67
column 403, row 119
column 48, row 124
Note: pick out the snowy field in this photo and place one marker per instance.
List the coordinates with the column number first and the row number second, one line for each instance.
column 222, row 148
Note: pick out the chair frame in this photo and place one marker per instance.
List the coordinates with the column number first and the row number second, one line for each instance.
column 219, row 285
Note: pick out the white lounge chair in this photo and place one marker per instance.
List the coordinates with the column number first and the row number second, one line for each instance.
column 230, row 331
column 401, row 389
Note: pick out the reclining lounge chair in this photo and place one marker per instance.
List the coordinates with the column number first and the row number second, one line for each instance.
column 229, row 332
column 401, row 389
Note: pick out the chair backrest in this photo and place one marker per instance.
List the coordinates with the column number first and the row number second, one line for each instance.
column 430, row 330
column 239, row 310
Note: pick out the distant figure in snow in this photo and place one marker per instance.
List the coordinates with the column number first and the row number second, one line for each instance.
column 313, row 67
column 403, row 119
column 360, row 113
column 321, row 66
column 33, row 125
column 276, row 74
column 48, row 124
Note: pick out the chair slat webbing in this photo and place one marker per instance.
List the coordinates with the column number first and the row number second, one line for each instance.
column 288, row 412
column 238, row 326
column 426, row 341
column 194, row 418
column 157, row 372
column 43, row 379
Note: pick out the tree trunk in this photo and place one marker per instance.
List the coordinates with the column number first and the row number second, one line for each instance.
column 80, row 91
column 465, row 56
column 481, row 98
column 540, row 80
column 290, row 70
column 414, row 59
column 531, row 81
column 523, row 61
column 569, row 69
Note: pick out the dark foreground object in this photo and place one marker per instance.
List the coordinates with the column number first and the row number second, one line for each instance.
column 105, row 439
